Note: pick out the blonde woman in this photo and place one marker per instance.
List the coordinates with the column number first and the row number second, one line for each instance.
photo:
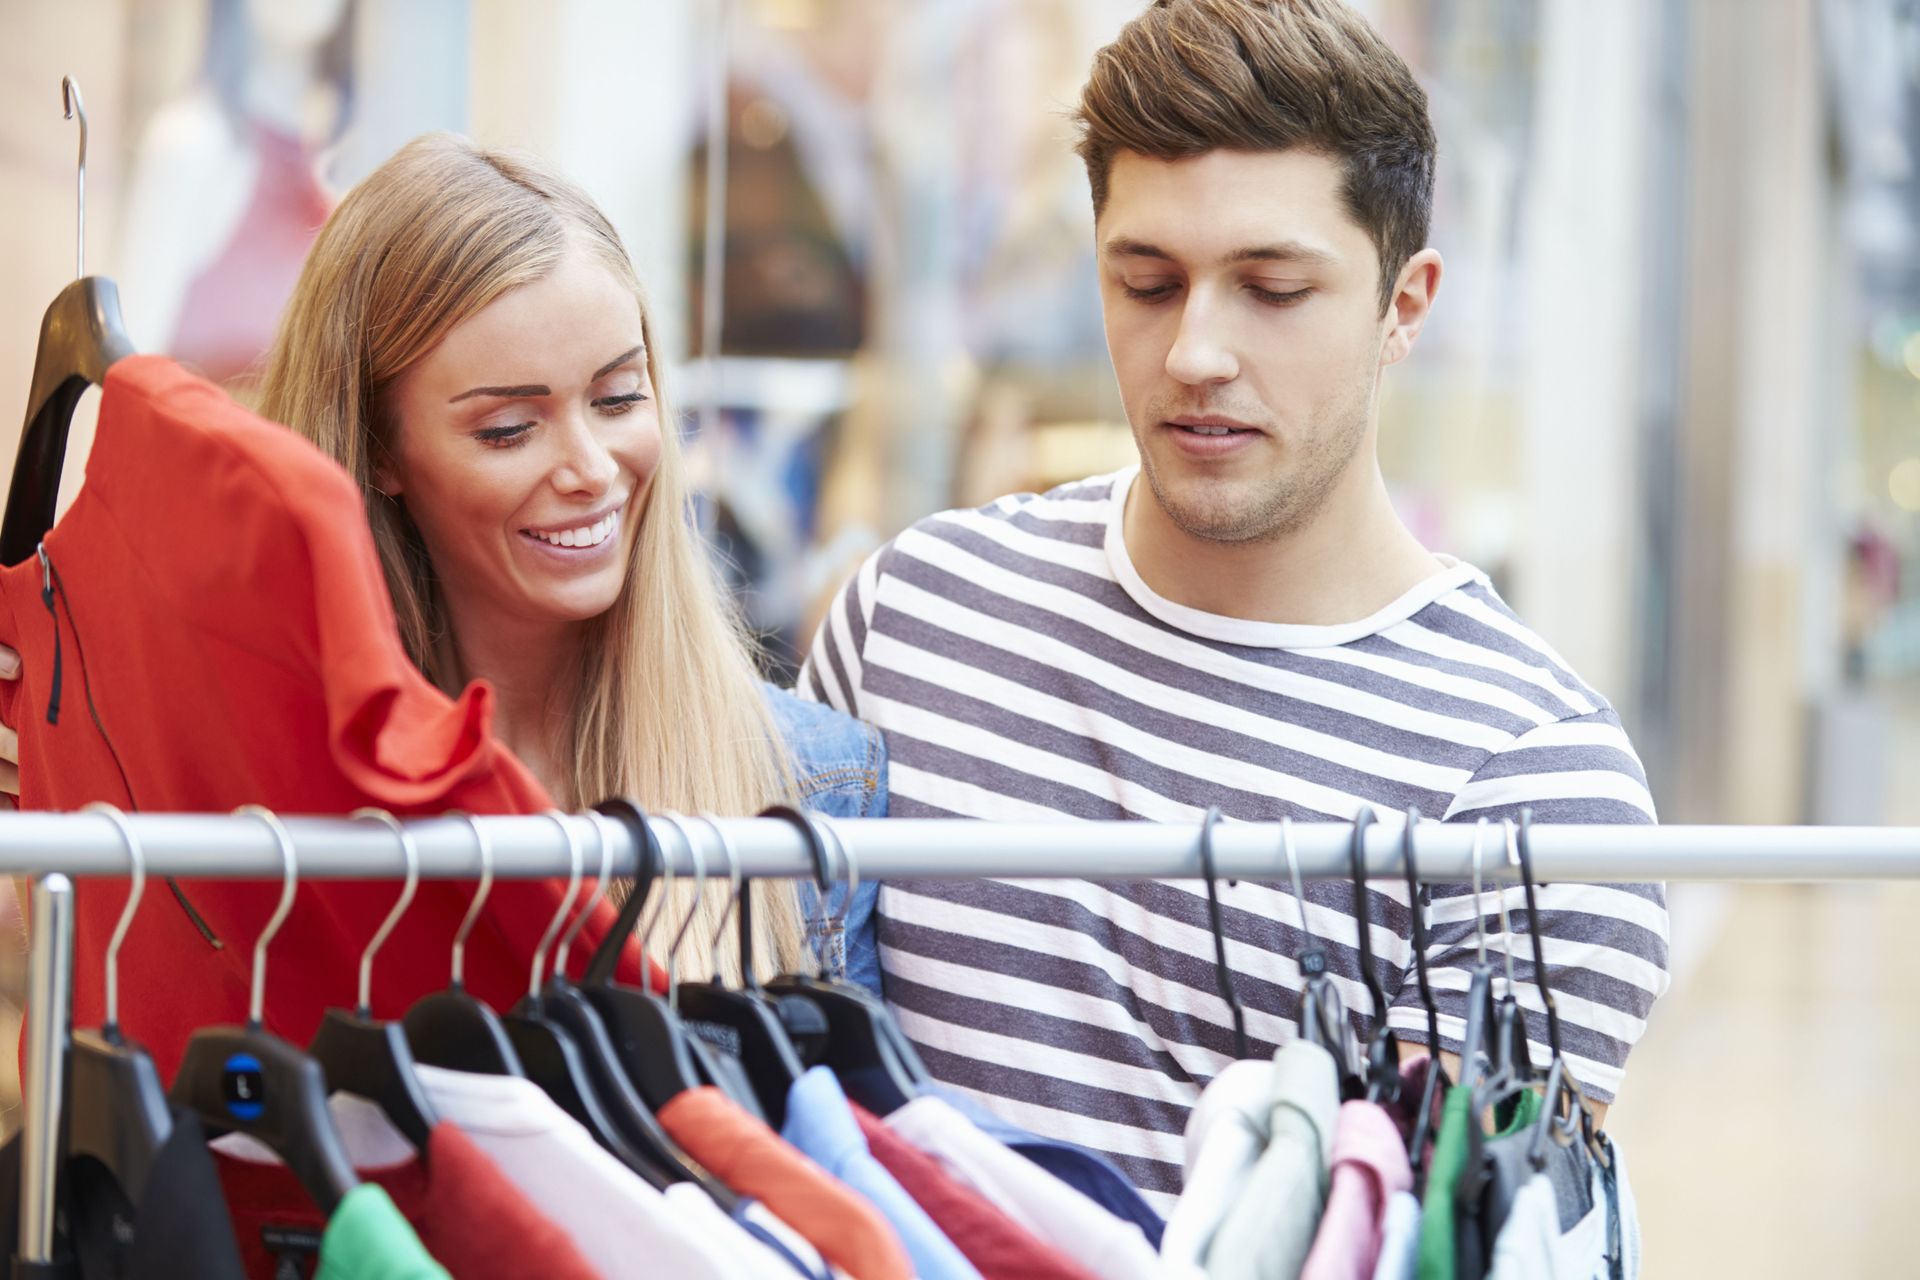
column 468, row 339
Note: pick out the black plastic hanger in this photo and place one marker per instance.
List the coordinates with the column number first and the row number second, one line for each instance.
column 1222, row 972
column 769, row 1056
column 117, row 1112
column 865, row 1047
column 81, row 335
column 551, row 1056
column 1383, row 1047
column 452, row 1028
column 1565, row 1117
column 801, row 1019
column 1436, row 1073
column 1512, row 1062
column 1323, row 1014
column 359, row 1053
column 612, row 1070
column 660, row 1055
column 247, row 1080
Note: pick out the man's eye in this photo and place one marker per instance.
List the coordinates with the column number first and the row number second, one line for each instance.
column 1280, row 299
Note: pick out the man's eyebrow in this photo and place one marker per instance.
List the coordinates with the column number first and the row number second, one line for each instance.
column 1283, row 251
column 616, row 362
column 1127, row 247
column 522, row 392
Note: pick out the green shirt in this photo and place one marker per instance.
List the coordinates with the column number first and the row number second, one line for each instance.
column 1443, row 1177
column 368, row 1239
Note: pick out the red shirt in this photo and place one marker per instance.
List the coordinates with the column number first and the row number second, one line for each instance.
column 223, row 609
column 997, row 1246
column 472, row 1220
column 755, row 1161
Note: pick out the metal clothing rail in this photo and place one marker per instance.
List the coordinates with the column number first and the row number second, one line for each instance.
column 55, row 846
column 240, row 847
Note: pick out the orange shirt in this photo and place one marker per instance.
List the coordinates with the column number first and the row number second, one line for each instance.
column 755, row 1161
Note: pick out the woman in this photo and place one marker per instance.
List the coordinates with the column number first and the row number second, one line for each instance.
column 469, row 341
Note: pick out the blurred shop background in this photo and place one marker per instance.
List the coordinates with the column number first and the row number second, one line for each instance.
column 1670, row 398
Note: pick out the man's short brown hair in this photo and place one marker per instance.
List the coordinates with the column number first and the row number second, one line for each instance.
column 1191, row 76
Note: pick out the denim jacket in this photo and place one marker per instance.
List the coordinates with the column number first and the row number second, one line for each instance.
column 841, row 767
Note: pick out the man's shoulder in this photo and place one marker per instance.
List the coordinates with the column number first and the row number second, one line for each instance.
column 1081, row 501
column 1472, row 616
column 1076, row 512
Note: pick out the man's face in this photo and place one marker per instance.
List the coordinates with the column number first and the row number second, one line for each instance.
column 1243, row 317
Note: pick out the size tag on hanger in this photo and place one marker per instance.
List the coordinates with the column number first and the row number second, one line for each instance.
column 244, row 1087
column 295, row 1250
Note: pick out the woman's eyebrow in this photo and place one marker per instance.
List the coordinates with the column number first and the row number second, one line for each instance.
column 533, row 389
column 617, row 361
column 538, row 389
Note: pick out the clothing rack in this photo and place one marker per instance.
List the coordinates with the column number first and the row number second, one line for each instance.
column 54, row 846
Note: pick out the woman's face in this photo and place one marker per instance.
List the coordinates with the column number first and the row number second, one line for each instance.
column 523, row 446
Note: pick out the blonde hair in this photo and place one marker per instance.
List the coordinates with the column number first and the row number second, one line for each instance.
column 667, row 707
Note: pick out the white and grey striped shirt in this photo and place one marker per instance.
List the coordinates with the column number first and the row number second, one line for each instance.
column 1022, row 670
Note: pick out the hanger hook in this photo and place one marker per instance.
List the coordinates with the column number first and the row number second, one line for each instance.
column 600, row 823
column 135, row 892
column 411, row 852
column 1362, row 913
column 1479, row 911
column 480, row 895
column 71, row 105
column 693, row 908
column 659, row 908
column 1524, row 848
column 835, row 938
column 1222, row 974
column 734, row 878
column 1418, row 909
column 566, row 903
column 1293, row 872
column 256, row 999
column 1506, row 921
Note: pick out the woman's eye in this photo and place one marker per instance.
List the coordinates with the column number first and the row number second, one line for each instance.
column 504, row 437
column 613, row 406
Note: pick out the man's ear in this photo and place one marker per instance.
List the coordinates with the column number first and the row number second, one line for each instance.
column 1412, row 303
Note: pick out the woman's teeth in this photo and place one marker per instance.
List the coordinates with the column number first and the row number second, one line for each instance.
column 591, row 535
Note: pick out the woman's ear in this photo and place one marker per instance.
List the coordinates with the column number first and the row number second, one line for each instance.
column 386, row 481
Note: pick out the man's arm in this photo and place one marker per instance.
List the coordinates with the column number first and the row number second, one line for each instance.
column 1605, row 944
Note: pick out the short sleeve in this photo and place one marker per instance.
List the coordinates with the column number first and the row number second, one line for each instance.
column 1605, row 944
column 832, row 671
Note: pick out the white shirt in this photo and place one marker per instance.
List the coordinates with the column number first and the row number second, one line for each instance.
column 1226, row 1132
column 623, row 1226
column 1026, row 1193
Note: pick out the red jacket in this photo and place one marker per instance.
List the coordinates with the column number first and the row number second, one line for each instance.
column 223, row 614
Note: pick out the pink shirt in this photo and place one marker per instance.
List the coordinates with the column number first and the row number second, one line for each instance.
column 1369, row 1165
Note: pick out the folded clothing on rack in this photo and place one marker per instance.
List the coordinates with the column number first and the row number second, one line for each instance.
column 207, row 627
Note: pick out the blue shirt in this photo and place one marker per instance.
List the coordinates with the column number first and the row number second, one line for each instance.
column 1089, row 1173
column 841, row 767
column 822, row 1126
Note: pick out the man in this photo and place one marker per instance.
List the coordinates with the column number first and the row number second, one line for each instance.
column 1241, row 621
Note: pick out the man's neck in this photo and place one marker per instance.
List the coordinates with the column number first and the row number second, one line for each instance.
column 1350, row 560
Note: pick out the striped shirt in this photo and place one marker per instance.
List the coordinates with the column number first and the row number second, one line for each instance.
column 1022, row 670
